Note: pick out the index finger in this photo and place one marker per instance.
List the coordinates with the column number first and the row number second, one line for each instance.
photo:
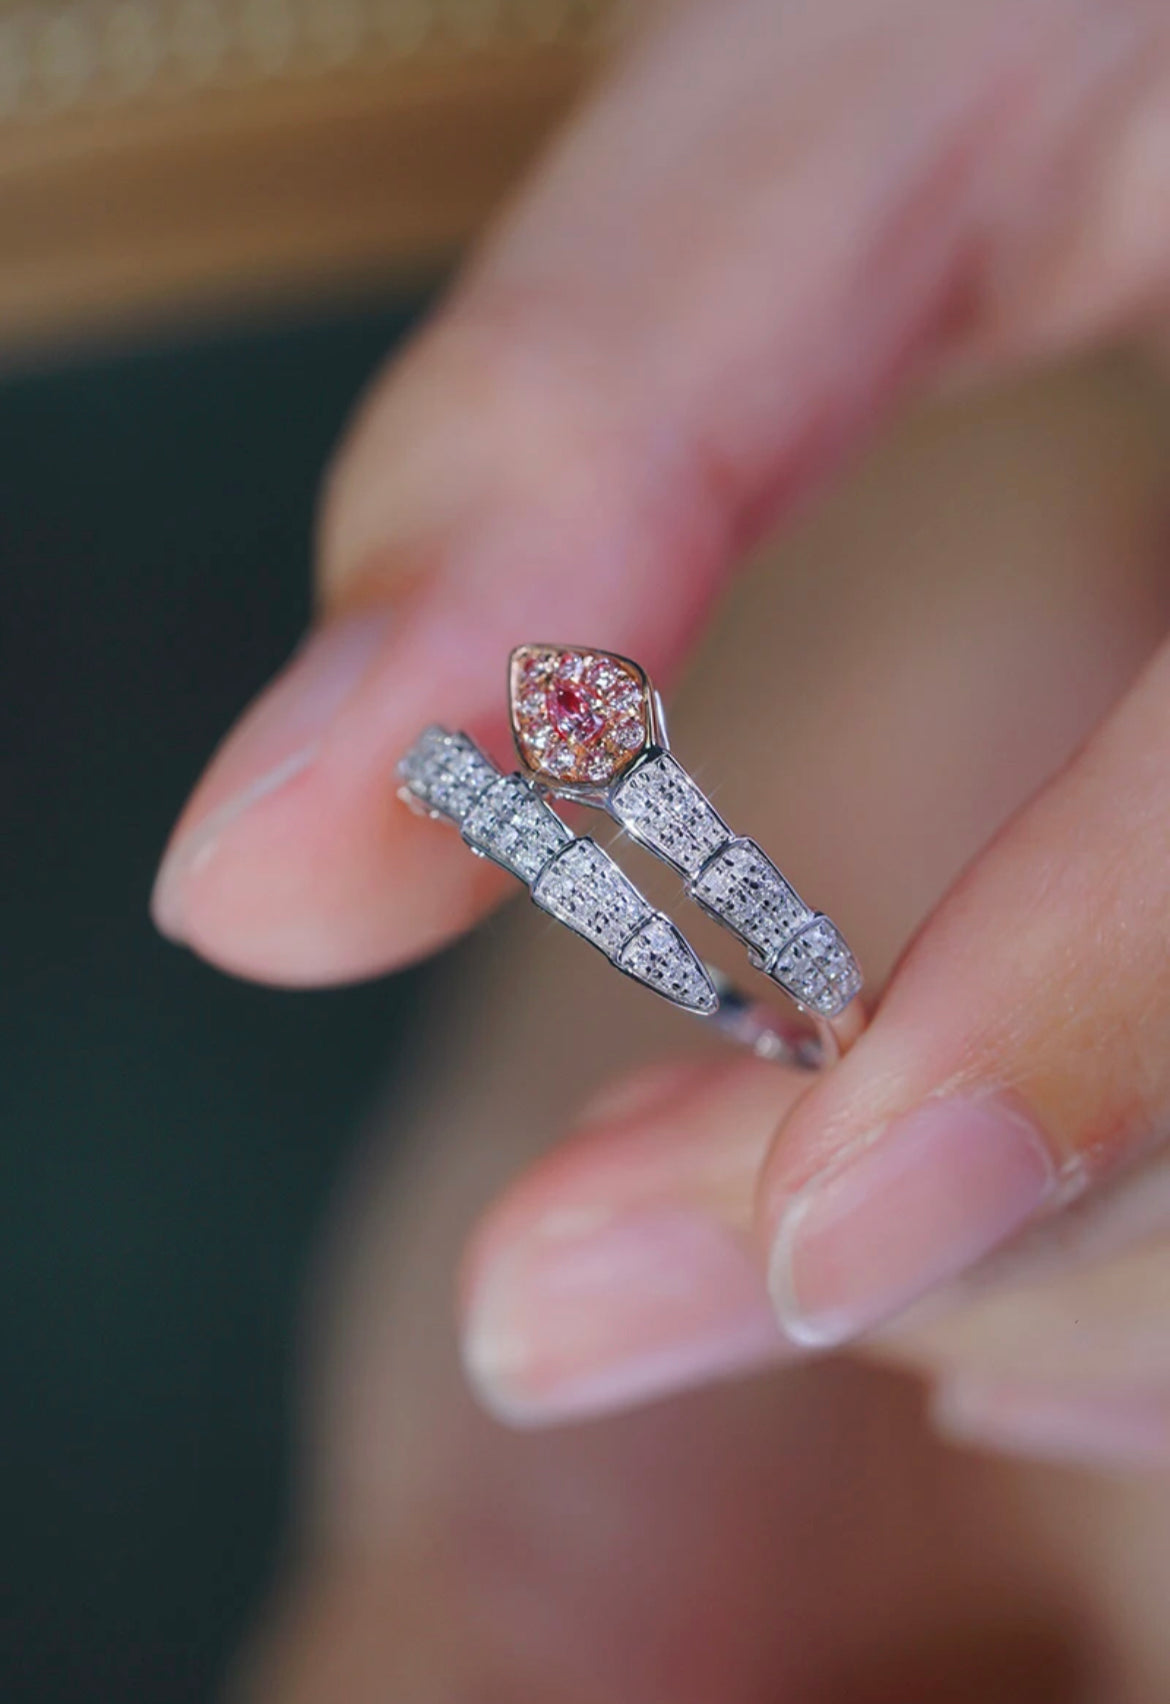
column 762, row 222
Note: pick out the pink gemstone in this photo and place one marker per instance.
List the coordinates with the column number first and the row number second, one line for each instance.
column 573, row 713
column 579, row 716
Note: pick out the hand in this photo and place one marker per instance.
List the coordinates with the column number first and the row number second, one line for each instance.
column 797, row 1534
column 769, row 223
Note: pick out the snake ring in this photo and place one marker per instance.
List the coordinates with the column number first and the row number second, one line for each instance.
column 589, row 728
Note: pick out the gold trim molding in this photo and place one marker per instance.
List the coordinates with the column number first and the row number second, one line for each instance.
column 163, row 158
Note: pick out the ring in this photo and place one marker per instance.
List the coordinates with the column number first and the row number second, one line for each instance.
column 589, row 726
column 504, row 817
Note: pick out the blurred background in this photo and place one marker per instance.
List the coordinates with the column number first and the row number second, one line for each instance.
column 215, row 218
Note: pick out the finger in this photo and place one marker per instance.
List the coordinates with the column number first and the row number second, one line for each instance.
column 1113, row 1430
column 1019, row 1058
column 1061, row 1346
column 622, row 1266
column 1046, row 1332
column 762, row 224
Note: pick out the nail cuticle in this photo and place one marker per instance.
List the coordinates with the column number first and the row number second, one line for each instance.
column 916, row 1203
column 276, row 742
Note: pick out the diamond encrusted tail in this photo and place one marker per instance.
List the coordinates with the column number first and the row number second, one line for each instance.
column 660, row 805
column 443, row 774
column 511, row 823
column 505, row 818
column 817, row 968
column 657, row 954
column 736, row 882
column 584, row 888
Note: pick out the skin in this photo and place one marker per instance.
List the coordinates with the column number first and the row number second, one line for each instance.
column 767, row 228
column 797, row 1534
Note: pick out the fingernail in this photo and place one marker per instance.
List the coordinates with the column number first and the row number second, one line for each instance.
column 589, row 1313
column 934, row 1191
column 1103, row 1430
column 276, row 740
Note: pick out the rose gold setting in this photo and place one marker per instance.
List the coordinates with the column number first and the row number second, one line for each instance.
column 580, row 717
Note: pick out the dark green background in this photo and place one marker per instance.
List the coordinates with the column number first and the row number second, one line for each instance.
column 168, row 1136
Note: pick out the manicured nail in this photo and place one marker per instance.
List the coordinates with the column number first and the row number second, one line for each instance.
column 1100, row 1429
column 589, row 1313
column 930, row 1194
column 276, row 740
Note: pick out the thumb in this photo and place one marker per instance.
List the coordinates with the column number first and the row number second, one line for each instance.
column 719, row 276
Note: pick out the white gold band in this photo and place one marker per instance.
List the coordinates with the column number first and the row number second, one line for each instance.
column 735, row 881
column 505, row 818
column 589, row 726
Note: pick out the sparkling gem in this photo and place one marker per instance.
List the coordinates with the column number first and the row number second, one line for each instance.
column 445, row 773
column 817, row 969
column 536, row 669
column 584, row 888
column 659, row 956
column 602, row 676
column 511, row 823
column 659, row 804
column 580, row 717
column 574, row 713
column 742, row 887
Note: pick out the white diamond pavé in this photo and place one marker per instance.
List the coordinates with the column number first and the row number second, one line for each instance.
column 505, row 818
column 446, row 773
column 422, row 766
column 584, row 888
column 743, row 888
column 661, row 806
column 511, row 823
column 817, row 969
column 657, row 955
column 508, row 819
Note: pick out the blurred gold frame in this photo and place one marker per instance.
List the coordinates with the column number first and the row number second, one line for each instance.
column 164, row 158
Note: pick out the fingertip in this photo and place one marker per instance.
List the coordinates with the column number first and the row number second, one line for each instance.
column 201, row 835
column 312, row 881
column 1101, row 1428
column 593, row 1313
column 902, row 1210
column 294, row 861
column 620, row 1268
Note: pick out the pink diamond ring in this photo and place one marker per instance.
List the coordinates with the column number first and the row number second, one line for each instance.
column 590, row 728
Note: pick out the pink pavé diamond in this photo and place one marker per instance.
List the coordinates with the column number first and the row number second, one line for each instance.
column 580, row 717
